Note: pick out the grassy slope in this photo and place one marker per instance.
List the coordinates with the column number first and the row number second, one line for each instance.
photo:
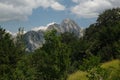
column 80, row 75
column 115, row 66
column 114, row 63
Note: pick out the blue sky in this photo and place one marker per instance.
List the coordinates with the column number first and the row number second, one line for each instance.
column 36, row 13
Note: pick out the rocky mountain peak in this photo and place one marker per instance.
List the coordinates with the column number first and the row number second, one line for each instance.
column 35, row 39
column 67, row 20
column 69, row 25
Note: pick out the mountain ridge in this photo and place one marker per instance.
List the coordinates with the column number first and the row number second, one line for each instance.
column 34, row 39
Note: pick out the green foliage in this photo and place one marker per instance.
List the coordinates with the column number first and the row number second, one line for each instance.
column 107, row 71
column 110, row 16
column 52, row 60
column 77, row 47
column 116, row 74
column 98, row 73
column 24, row 69
column 19, row 41
column 90, row 63
column 114, row 66
column 103, row 35
column 9, row 55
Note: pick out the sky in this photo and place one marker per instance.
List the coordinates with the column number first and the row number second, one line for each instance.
column 32, row 14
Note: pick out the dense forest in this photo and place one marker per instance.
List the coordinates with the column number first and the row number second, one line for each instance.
column 63, row 54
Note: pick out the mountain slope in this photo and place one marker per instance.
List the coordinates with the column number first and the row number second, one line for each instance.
column 35, row 39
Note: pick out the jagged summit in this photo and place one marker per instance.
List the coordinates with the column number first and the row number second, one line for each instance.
column 54, row 26
column 51, row 24
column 69, row 25
column 67, row 20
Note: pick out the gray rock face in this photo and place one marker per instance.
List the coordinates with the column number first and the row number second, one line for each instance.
column 69, row 25
column 35, row 39
column 54, row 26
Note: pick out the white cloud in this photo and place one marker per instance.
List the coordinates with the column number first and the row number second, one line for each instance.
column 57, row 6
column 14, row 34
column 51, row 23
column 11, row 33
column 42, row 27
column 39, row 28
column 21, row 9
column 92, row 8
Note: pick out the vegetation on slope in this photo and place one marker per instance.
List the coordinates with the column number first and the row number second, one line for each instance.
column 63, row 54
column 111, row 66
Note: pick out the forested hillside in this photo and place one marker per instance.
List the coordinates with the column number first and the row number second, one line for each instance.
column 65, row 53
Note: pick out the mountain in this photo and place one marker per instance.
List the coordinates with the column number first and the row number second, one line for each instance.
column 35, row 38
column 54, row 26
column 69, row 25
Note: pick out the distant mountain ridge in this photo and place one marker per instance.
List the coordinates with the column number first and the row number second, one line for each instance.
column 35, row 38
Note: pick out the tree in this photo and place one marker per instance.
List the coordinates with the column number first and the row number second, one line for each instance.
column 52, row 60
column 9, row 55
column 25, row 69
column 110, row 16
column 77, row 46
column 19, row 41
column 103, row 35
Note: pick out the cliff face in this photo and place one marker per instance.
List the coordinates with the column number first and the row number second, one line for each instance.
column 33, row 40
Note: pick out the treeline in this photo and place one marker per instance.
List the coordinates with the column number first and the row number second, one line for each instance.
column 62, row 54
